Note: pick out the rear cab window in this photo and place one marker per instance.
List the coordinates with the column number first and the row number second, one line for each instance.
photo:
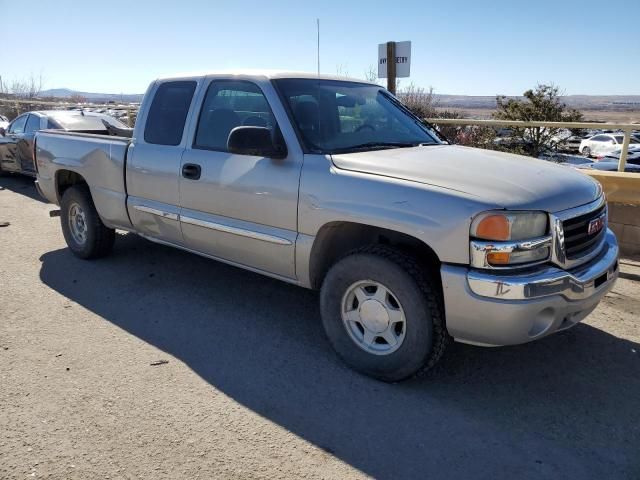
column 168, row 112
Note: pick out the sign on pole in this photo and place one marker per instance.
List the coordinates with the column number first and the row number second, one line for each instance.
column 402, row 59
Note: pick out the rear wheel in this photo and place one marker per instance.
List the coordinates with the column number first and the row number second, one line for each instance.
column 84, row 232
column 586, row 151
column 382, row 315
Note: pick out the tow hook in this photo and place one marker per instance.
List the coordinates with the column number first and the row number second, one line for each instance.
column 54, row 213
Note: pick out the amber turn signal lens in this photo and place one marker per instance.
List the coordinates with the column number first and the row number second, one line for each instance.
column 494, row 227
column 498, row 258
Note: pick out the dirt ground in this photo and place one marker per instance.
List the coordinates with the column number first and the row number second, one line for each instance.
column 154, row 363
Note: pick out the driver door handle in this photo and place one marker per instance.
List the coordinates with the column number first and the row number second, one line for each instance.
column 191, row 171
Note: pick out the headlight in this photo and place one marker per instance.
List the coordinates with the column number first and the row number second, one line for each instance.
column 502, row 239
column 502, row 226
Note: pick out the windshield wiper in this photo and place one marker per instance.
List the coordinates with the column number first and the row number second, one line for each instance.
column 375, row 146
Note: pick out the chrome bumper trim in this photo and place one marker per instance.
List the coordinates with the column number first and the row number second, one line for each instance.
column 576, row 284
column 480, row 249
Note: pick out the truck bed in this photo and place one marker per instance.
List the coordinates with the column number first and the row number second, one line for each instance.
column 99, row 159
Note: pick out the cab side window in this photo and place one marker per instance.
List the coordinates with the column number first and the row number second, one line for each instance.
column 18, row 125
column 168, row 113
column 33, row 124
column 229, row 104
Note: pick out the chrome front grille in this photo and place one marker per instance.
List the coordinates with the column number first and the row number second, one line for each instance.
column 573, row 245
column 577, row 239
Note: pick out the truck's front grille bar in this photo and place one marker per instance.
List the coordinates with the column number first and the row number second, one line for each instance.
column 577, row 238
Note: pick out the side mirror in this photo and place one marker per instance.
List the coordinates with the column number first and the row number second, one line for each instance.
column 256, row 141
column 3, row 132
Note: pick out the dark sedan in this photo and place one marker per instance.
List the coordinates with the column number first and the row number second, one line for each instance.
column 604, row 166
column 16, row 142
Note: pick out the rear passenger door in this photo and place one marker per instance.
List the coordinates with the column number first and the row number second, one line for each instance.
column 153, row 165
column 240, row 208
column 9, row 159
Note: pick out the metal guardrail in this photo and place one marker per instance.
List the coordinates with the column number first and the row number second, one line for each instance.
column 627, row 128
column 128, row 108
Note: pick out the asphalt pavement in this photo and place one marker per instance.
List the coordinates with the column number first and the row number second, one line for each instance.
column 156, row 363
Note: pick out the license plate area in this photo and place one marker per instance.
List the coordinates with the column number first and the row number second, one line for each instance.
column 600, row 280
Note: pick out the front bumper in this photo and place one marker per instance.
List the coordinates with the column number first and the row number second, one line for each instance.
column 495, row 308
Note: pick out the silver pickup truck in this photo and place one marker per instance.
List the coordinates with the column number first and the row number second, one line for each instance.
column 333, row 184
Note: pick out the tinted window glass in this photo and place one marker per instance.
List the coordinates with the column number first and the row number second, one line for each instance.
column 33, row 124
column 168, row 113
column 230, row 104
column 335, row 117
column 18, row 125
column 52, row 124
column 620, row 139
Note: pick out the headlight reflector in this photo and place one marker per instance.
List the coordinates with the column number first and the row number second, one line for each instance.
column 504, row 225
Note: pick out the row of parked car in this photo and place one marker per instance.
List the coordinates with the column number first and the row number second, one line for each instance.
column 607, row 144
column 16, row 137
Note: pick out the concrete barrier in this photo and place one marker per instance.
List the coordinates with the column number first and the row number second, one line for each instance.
column 623, row 197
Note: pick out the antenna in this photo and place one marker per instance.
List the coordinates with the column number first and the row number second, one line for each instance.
column 318, row 53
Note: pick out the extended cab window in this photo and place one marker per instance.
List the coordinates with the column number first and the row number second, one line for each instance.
column 229, row 104
column 168, row 113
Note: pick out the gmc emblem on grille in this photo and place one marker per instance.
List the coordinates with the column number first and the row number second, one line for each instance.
column 596, row 225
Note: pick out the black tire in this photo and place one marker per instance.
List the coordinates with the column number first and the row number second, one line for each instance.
column 99, row 238
column 425, row 339
column 586, row 151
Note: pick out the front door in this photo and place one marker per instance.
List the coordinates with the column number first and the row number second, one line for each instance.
column 240, row 208
column 9, row 158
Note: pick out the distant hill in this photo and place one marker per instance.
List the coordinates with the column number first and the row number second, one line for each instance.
column 92, row 97
column 587, row 102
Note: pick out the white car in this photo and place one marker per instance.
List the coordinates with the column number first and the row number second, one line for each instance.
column 605, row 143
column 4, row 122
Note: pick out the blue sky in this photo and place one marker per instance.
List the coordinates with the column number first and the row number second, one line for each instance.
column 462, row 47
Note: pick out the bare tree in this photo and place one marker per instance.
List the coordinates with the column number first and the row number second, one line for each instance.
column 420, row 101
column 371, row 74
column 27, row 88
column 342, row 70
column 76, row 98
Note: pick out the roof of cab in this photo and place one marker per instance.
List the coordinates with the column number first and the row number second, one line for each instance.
column 261, row 74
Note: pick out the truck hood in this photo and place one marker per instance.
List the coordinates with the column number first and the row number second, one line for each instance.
column 506, row 180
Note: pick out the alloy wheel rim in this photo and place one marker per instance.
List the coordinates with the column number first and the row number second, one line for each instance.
column 77, row 224
column 373, row 317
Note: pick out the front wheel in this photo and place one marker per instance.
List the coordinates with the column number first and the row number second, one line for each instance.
column 586, row 151
column 83, row 230
column 382, row 315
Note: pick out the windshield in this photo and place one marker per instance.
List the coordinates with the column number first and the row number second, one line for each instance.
column 632, row 140
column 334, row 116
